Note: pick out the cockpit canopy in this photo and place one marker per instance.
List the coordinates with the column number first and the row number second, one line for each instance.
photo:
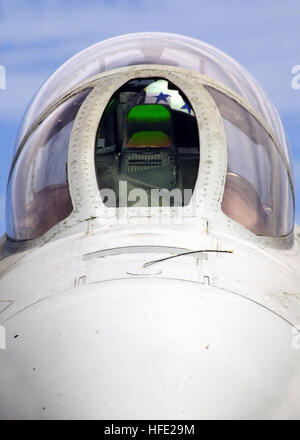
column 154, row 48
column 148, row 137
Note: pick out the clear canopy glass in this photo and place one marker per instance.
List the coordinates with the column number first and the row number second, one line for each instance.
column 257, row 191
column 38, row 195
column 154, row 48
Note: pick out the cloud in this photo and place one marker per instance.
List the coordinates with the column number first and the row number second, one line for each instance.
column 62, row 18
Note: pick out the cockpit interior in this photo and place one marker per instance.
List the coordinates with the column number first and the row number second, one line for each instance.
column 148, row 138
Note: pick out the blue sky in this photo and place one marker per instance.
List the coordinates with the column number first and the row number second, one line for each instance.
column 36, row 37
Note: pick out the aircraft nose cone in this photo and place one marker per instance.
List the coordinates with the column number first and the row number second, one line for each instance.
column 146, row 348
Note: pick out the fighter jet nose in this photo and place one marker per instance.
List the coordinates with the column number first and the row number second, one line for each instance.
column 148, row 349
column 139, row 152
